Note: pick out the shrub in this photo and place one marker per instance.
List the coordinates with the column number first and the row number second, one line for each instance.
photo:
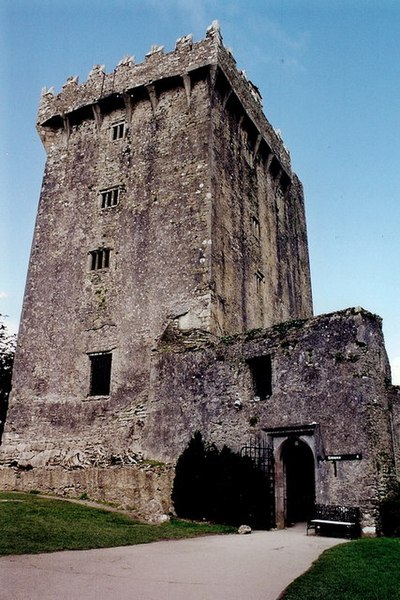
column 390, row 513
column 219, row 486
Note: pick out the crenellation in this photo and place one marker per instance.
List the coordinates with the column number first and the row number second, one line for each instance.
column 128, row 77
column 156, row 53
column 127, row 61
column 184, row 43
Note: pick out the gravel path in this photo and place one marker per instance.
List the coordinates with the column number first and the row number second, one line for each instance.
column 227, row 567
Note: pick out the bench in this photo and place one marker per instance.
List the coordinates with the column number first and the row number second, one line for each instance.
column 331, row 519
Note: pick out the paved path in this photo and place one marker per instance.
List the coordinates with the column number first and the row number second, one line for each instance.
column 229, row 567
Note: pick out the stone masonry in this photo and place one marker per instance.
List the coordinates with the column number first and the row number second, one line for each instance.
column 170, row 250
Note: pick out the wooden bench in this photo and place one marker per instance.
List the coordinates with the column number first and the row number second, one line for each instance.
column 331, row 519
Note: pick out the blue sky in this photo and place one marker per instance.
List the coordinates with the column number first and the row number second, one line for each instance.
column 329, row 74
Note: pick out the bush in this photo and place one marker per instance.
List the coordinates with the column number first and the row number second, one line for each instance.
column 219, row 486
column 7, row 351
column 390, row 513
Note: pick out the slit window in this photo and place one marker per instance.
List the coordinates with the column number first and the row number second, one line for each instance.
column 100, row 373
column 259, row 277
column 110, row 197
column 118, row 131
column 261, row 372
column 255, row 223
column 100, row 259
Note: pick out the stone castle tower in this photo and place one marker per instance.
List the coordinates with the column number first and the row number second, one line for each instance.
column 168, row 211
column 167, row 198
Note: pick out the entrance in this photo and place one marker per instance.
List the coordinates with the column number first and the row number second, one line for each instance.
column 299, row 480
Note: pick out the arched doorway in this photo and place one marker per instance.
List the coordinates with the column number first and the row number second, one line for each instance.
column 299, row 480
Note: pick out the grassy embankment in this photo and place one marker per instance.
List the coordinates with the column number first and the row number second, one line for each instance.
column 366, row 569
column 31, row 524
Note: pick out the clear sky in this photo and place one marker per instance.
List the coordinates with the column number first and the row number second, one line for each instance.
column 329, row 74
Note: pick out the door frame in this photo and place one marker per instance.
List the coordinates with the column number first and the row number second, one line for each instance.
column 309, row 434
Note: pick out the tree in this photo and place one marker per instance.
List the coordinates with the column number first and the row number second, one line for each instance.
column 220, row 486
column 7, row 352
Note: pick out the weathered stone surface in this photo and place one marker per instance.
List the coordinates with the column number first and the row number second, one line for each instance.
column 144, row 491
column 329, row 379
column 208, row 269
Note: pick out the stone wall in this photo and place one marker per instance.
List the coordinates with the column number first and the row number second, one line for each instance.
column 329, row 388
column 178, row 209
column 395, row 402
column 329, row 375
column 143, row 490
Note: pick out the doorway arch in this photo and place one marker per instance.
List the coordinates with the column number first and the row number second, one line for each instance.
column 299, row 480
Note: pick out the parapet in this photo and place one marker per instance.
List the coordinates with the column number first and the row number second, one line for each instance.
column 129, row 79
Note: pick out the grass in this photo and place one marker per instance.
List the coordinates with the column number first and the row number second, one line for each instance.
column 30, row 524
column 366, row 569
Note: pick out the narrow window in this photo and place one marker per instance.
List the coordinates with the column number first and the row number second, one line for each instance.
column 118, row 131
column 255, row 226
column 261, row 372
column 100, row 373
column 99, row 259
column 259, row 280
column 109, row 197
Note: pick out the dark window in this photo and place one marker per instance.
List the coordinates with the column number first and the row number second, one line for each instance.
column 259, row 280
column 100, row 374
column 118, row 131
column 255, row 226
column 109, row 197
column 100, row 259
column 261, row 372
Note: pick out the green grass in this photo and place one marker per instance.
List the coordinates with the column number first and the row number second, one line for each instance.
column 367, row 569
column 31, row 524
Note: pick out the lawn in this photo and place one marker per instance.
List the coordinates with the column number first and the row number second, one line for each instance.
column 366, row 569
column 31, row 524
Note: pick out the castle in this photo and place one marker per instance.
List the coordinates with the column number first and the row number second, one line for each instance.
column 169, row 292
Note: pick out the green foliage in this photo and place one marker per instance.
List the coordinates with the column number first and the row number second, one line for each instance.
column 353, row 358
column 339, row 357
column 30, row 524
column 219, row 486
column 390, row 513
column 83, row 496
column 251, row 334
column 285, row 327
column 367, row 569
column 153, row 463
column 7, row 352
column 229, row 339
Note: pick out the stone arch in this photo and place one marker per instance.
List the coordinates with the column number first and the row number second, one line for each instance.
column 295, row 475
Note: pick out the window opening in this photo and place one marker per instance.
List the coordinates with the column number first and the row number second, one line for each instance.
column 255, row 226
column 259, row 280
column 99, row 259
column 118, row 131
column 261, row 372
column 100, row 373
column 110, row 197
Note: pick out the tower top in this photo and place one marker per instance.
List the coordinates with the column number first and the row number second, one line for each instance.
column 130, row 80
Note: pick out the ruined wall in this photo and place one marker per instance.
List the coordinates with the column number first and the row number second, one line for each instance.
column 329, row 372
column 144, row 490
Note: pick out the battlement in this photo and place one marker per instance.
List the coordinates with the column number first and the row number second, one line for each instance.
column 129, row 82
